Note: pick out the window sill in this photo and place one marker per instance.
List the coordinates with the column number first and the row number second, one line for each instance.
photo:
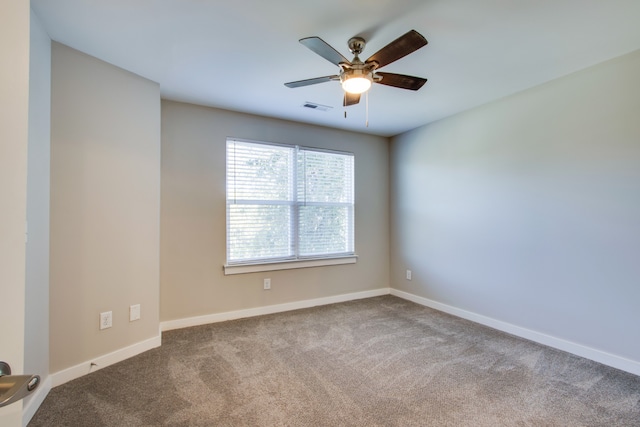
column 288, row 265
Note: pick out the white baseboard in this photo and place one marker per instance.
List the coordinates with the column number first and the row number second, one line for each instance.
column 270, row 309
column 103, row 361
column 37, row 397
column 599, row 356
column 82, row 369
column 85, row 368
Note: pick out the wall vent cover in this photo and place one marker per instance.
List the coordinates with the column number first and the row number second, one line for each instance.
column 315, row 106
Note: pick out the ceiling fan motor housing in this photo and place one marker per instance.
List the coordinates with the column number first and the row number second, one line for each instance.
column 356, row 45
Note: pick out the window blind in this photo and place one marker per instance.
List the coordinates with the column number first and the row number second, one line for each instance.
column 288, row 202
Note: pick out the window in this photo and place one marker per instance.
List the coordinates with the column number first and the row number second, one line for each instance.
column 288, row 203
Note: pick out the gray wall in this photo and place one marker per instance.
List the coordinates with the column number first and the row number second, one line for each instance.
column 105, row 204
column 36, row 353
column 527, row 210
column 194, row 208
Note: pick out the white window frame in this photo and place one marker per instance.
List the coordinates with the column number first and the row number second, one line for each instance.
column 250, row 266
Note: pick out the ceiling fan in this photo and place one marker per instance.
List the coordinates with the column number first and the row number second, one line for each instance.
column 356, row 76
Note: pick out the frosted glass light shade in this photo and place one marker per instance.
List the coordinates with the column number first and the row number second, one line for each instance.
column 356, row 85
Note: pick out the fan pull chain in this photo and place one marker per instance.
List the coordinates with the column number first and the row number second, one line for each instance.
column 366, row 122
column 344, row 104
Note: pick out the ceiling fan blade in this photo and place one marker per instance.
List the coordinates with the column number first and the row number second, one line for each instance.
column 314, row 81
column 350, row 99
column 399, row 48
column 401, row 81
column 323, row 49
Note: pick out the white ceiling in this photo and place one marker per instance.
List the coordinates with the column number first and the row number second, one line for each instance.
column 238, row 54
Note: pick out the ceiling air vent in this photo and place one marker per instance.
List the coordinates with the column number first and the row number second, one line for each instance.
column 314, row 106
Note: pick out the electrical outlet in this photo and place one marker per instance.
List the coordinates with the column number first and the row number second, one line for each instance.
column 267, row 284
column 408, row 274
column 134, row 312
column 106, row 320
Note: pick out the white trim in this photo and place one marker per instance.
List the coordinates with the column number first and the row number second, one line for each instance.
column 288, row 265
column 599, row 356
column 269, row 309
column 29, row 409
column 103, row 361
column 284, row 144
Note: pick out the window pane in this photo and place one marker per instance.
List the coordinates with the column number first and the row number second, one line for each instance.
column 259, row 171
column 258, row 232
column 325, row 177
column 325, row 230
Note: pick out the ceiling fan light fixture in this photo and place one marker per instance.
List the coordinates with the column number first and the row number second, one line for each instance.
column 356, row 76
column 356, row 82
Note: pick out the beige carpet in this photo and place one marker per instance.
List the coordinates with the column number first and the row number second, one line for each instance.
column 376, row 362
